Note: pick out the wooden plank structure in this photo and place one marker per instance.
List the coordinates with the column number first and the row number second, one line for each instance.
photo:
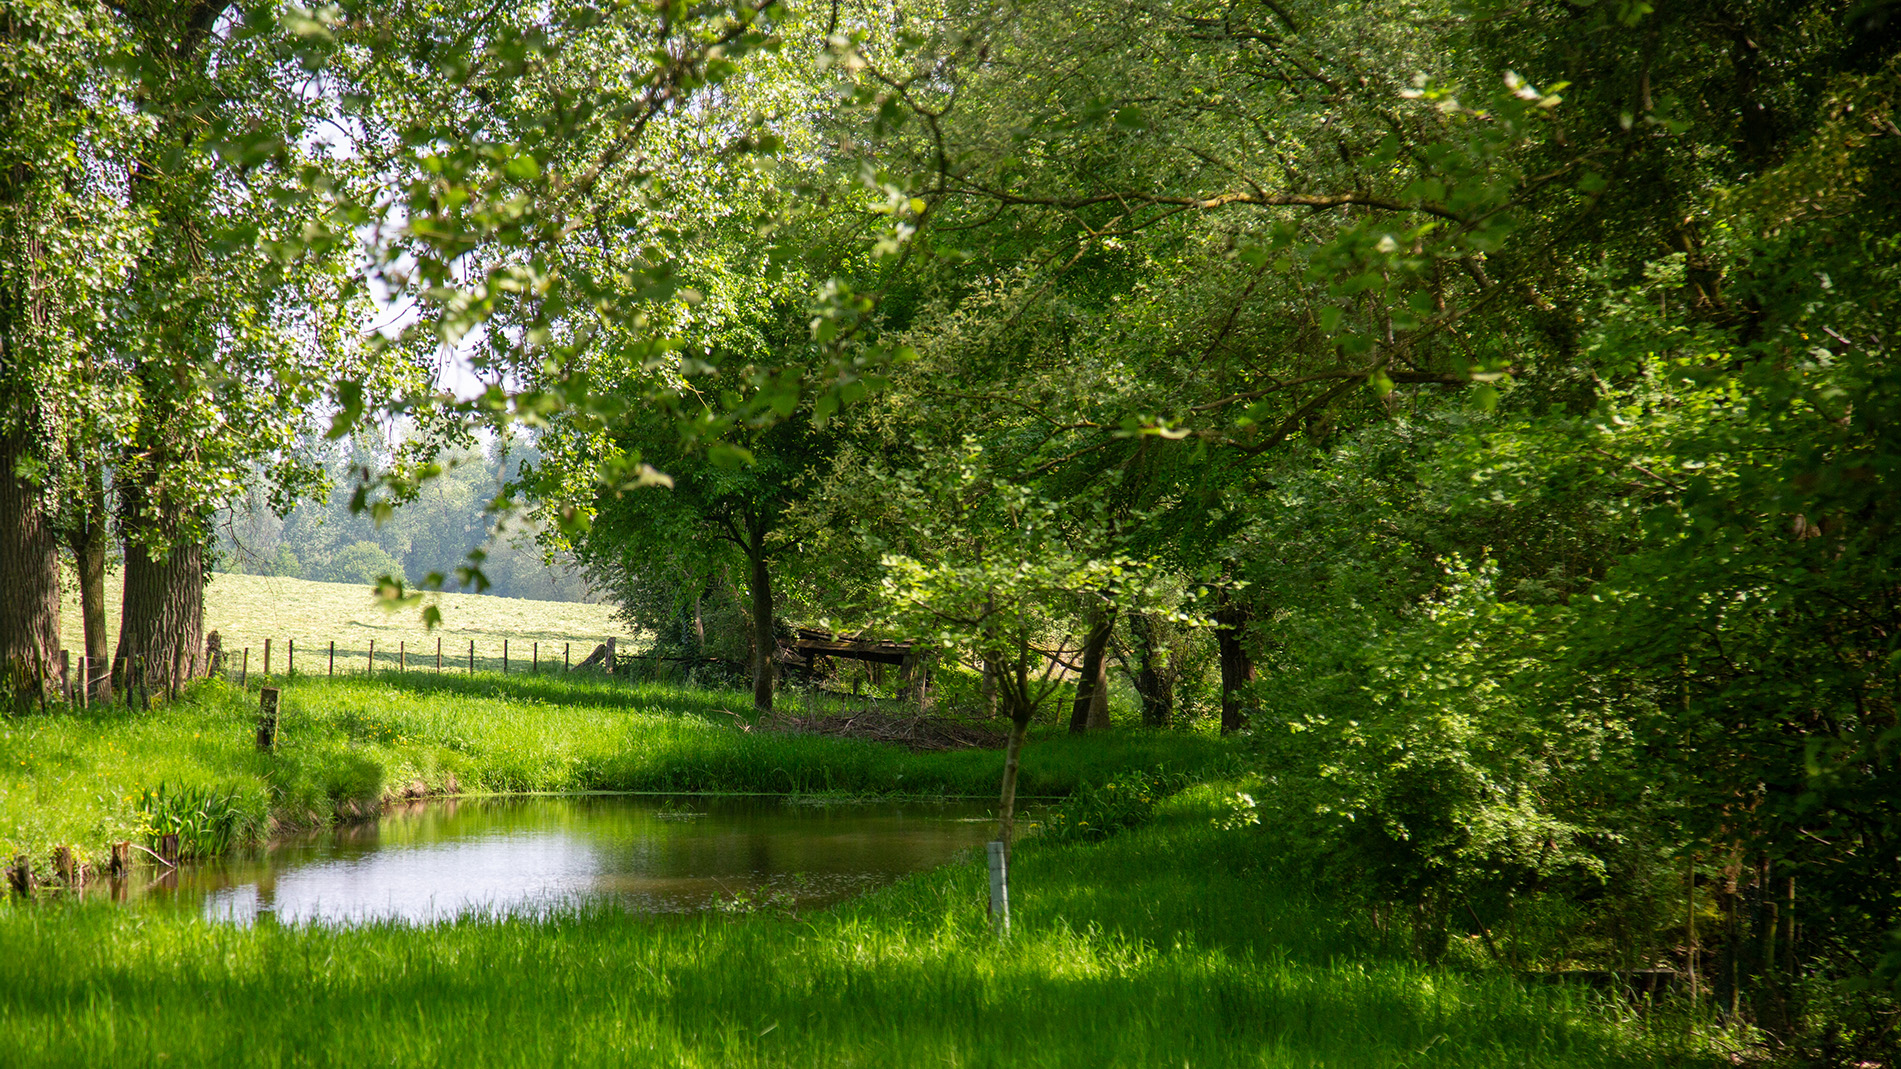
column 806, row 650
column 805, row 654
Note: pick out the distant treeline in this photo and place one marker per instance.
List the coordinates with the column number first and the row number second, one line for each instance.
column 321, row 539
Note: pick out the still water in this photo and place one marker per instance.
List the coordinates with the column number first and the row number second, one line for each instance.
column 529, row 855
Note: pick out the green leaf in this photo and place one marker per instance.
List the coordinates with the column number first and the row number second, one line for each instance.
column 728, row 455
column 349, row 409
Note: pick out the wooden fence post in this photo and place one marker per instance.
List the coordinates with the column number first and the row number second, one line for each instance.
column 267, row 660
column 168, row 848
column 471, row 656
column 244, row 670
column 534, row 664
column 402, row 655
column 66, row 676
column 66, row 866
column 371, row 670
column 504, row 656
column 290, row 656
column 121, row 857
column 21, row 875
column 267, row 718
column 564, row 655
column 333, row 656
column 85, row 680
column 438, row 654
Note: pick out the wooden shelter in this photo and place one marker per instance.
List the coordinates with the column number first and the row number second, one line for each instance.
column 806, row 652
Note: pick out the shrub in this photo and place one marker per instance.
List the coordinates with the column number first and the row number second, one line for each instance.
column 1093, row 813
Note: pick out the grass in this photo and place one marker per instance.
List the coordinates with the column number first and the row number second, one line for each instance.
column 1170, row 945
column 1179, row 942
column 247, row 609
column 77, row 777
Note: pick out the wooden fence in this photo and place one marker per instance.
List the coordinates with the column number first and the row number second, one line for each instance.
column 81, row 680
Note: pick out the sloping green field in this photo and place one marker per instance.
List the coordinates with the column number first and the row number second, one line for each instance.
column 247, row 609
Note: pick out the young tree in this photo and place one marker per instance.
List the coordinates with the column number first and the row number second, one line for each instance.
column 973, row 560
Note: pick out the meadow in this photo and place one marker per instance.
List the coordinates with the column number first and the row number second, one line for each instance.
column 247, row 609
column 80, row 777
column 1174, row 944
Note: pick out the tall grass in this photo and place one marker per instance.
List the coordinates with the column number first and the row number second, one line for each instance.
column 1161, row 946
column 77, row 778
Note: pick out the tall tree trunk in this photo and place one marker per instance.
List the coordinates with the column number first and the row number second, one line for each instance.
column 86, row 537
column 991, row 669
column 1092, row 689
column 699, row 620
column 161, row 617
column 1016, row 694
column 1154, row 679
column 29, row 579
column 29, row 545
column 764, row 643
column 1236, row 669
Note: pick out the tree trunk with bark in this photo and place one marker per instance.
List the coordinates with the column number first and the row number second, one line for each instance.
column 1013, row 681
column 1154, row 679
column 1237, row 670
column 29, row 544
column 1007, row 805
column 161, row 619
column 764, row 643
column 29, row 579
column 1091, row 708
column 86, row 535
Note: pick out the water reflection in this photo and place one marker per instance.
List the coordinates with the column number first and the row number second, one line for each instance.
column 528, row 855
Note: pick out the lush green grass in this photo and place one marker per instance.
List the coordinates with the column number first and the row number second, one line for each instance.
column 1164, row 946
column 247, row 609
column 76, row 777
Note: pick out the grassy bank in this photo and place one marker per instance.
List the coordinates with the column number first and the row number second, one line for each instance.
column 1170, row 945
column 79, row 778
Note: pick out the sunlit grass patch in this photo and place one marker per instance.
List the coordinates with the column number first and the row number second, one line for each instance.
column 247, row 609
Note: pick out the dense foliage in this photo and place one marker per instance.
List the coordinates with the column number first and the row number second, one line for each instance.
column 1490, row 410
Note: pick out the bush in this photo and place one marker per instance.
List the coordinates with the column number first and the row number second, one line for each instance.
column 360, row 562
column 1094, row 813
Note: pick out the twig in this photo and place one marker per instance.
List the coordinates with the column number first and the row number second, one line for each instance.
column 136, row 846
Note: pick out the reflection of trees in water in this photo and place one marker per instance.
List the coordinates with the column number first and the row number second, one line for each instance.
column 527, row 855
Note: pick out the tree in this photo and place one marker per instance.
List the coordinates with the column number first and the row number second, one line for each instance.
column 735, row 490
column 234, row 312
column 63, row 233
column 977, row 561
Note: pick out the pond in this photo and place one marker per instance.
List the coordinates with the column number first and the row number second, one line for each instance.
column 526, row 856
